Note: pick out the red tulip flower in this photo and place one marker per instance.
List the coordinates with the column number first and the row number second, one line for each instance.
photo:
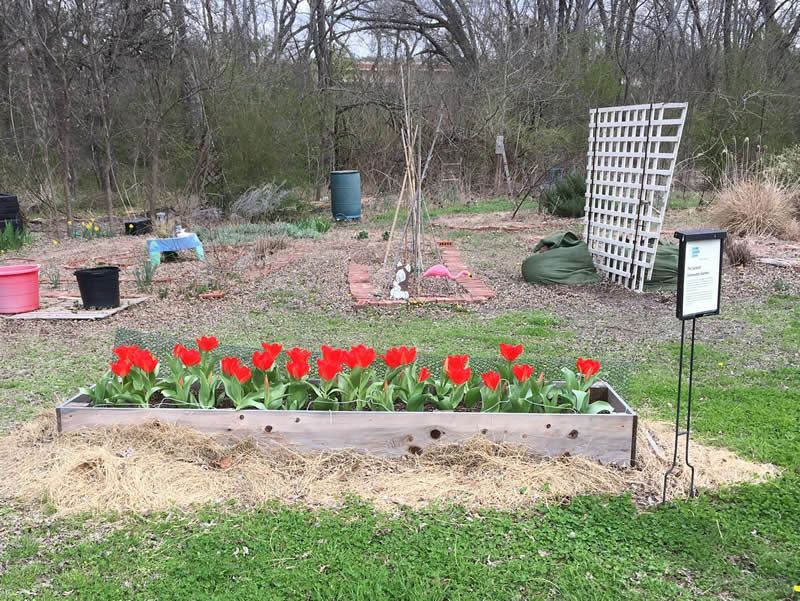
column 190, row 357
column 399, row 356
column 122, row 367
column 360, row 356
column 207, row 343
column 522, row 372
column 272, row 349
column 231, row 366
column 125, row 352
column 144, row 360
column 588, row 367
column 491, row 379
column 298, row 355
column 459, row 375
column 335, row 355
column 424, row 374
column 455, row 361
column 297, row 369
column 328, row 369
column 263, row 360
column 242, row 374
column 510, row 352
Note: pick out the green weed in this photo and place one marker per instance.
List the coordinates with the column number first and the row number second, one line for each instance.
column 13, row 239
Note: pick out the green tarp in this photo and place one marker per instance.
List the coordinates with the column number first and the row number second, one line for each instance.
column 566, row 260
column 665, row 269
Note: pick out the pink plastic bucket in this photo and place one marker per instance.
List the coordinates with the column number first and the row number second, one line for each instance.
column 19, row 288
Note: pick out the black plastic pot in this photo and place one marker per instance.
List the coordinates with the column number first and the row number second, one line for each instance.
column 99, row 287
column 138, row 226
column 9, row 205
column 9, row 211
column 16, row 223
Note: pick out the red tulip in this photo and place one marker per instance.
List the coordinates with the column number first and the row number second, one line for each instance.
column 509, row 352
column 207, row 343
column 230, row 365
column 459, row 375
column 297, row 369
column 190, row 357
column 491, row 379
column 264, row 360
column 144, row 360
column 242, row 373
column 125, row 352
column 397, row 356
column 273, row 349
column 328, row 369
column 457, row 361
column 522, row 372
column 179, row 348
column 333, row 354
column 121, row 368
column 588, row 367
column 359, row 356
column 298, row 355
column 424, row 374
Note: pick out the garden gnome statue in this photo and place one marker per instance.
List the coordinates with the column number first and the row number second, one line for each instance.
column 399, row 289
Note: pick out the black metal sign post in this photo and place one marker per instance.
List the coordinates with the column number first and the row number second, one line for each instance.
column 699, row 287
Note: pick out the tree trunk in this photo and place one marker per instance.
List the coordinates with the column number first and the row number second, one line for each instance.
column 107, row 166
column 154, row 169
column 65, row 124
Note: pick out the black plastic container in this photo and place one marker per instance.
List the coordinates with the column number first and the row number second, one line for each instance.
column 99, row 287
column 9, row 212
column 138, row 226
column 15, row 223
column 9, row 206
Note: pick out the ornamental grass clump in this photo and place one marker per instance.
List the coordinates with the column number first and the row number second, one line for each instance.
column 347, row 380
column 760, row 206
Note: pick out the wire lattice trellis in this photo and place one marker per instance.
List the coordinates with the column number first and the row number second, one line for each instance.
column 631, row 160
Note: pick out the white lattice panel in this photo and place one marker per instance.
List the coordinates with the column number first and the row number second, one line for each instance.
column 632, row 153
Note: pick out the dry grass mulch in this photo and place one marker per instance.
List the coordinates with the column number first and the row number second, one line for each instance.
column 155, row 466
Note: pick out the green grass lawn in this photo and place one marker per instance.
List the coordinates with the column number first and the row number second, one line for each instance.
column 741, row 543
column 490, row 205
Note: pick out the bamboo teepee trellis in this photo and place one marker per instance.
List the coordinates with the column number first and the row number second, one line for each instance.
column 412, row 240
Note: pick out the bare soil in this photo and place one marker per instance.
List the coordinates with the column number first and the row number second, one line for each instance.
column 316, row 282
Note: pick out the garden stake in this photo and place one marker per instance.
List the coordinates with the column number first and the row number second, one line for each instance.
column 699, row 290
column 686, row 432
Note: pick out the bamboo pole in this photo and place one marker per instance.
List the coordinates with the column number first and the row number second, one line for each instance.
column 394, row 221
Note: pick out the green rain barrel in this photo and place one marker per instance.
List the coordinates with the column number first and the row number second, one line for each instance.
column 346, row 194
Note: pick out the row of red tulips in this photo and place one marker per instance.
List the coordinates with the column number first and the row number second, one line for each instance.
column 348, row 379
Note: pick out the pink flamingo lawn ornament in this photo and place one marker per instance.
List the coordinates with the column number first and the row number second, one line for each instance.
column 440, row 271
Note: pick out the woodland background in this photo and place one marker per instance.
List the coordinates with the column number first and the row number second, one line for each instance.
column 113, row 104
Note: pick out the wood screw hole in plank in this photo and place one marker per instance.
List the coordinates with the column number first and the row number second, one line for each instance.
column 631, row 161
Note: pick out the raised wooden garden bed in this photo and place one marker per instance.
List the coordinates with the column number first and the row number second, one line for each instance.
column 610, row 439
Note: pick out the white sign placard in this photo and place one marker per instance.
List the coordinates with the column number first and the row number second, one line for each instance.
column 701, row 273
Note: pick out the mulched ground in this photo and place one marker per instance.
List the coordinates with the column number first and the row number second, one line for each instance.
column 315, row 281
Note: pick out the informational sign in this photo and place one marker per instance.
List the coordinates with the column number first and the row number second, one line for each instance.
column 699, row 272
column 499, row 148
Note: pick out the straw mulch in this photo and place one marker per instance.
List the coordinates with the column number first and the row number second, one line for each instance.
column 157, row 466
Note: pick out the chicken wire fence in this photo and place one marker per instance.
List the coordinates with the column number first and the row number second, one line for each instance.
column 616, row 373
